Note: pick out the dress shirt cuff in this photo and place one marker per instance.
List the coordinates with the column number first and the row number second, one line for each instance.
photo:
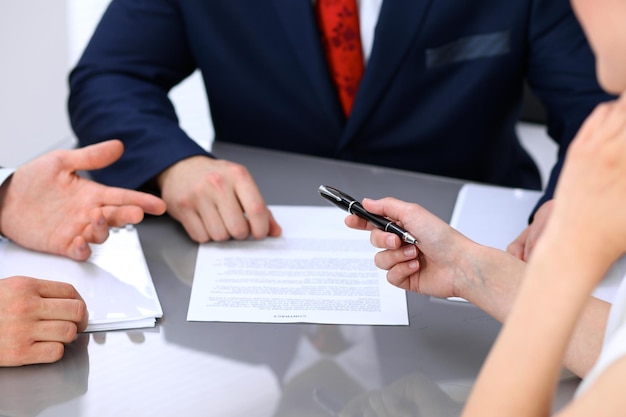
column 5, row 173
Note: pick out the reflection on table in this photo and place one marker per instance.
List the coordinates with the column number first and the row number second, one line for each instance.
column 182, row 368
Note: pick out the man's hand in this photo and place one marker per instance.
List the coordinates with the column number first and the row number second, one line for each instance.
column 37, row 317
column 216, row 200
column 47, row 206
column 524, row 244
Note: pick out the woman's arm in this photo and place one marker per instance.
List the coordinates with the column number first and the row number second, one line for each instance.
column 584, row 237
column 449, row 264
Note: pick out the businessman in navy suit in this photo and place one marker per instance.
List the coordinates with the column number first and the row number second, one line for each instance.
column 441, row 94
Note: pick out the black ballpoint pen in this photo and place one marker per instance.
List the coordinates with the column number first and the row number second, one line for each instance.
column 349, row 204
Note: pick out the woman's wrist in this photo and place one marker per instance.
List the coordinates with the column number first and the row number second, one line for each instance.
column 491, row 279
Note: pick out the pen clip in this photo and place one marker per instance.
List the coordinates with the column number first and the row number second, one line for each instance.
column 336, row 197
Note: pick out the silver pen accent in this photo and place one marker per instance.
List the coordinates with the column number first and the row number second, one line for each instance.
column 352, row 206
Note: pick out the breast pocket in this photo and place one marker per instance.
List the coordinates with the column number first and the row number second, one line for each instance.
column 469, row 48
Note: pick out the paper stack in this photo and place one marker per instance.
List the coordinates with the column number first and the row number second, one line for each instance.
column 114, row 282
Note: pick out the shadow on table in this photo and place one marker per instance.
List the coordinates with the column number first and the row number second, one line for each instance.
column 27, row 390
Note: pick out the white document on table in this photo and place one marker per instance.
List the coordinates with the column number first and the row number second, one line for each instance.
column 494, row 216
column 114, row 282
column 318, row 271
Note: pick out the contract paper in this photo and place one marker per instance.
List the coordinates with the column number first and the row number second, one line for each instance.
column 114, row 282
column 318, row 271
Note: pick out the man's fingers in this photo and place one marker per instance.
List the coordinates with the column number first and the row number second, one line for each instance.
column 113, row 196
column 253, row 205
column 531, row 241
column 42, row 352
column 528, row 248
column 70, row 309
column 275, row 229
column 62, row 310
column 79, row 249
column 516, row 248
column 115, row 216
column 194, row 225
column 61, row 330
column 95, row 156
column 56, row 289
column 232, row 220
column 98, row 231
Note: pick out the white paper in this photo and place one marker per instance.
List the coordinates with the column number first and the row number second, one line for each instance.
column 318, row 271
column 494, row 216
column 114, row 282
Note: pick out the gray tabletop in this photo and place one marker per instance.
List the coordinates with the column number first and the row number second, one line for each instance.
column 182, row 368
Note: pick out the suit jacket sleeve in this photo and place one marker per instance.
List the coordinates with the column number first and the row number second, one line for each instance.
column 561, row 72
column 119, row 89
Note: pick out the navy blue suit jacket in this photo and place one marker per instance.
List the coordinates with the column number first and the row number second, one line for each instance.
column 441, row 93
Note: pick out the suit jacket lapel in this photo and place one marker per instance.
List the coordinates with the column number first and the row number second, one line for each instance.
column 298, row 21
column 397, row 26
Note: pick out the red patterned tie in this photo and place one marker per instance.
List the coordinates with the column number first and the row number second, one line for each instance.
column 339, row 27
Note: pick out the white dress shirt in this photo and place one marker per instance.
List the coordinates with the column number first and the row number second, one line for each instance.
column 5, row 173
column 614, row 345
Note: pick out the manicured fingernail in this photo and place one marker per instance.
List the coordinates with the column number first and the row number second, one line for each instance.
column 391, row 241
column 413, row 265
column 410, row 251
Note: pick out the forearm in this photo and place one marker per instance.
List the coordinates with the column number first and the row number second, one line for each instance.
column 533, row 341
column 586, row 340
column 496, row 283
column 119, row 89
column 492, row 280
